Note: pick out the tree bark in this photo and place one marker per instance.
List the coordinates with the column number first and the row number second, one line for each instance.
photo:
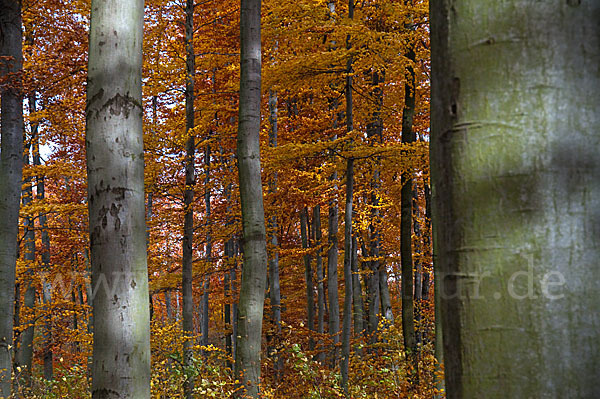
column 274, row 286
column 254, row 272
column 208, row 252
column 346, row 328
column 308, row 276
column 332, row 275
column 357, row 300
column 24, row 352
column 47, row 354
column 319, row 270
column 516, row 194
column 190, row 181
column 115, row 163
column 11, row 173
column 408, row 136
column 348, row 250
column 374, row 282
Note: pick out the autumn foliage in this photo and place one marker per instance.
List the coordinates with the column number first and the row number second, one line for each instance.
column 305, row 65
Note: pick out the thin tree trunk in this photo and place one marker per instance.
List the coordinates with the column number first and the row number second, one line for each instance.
column 229, row 279
column 168, row 306
column 274, row 286
column 332, row 275
column 46, row 285
column 11, row 173
column 24, row 352
column 375, row 282
column 229, row 254
column 348, row 250
column 319, row 269
column 373, row 294
column 234, row 291
column 89, row 299
column 418, row 273
column 346, row 328
column 408, row 136
column 308, row 276
column 332, row 252
column 254, row 271
column 357, row 299
column 190, row 181
column 115, row 164
column 205, row 295
column 384, row 295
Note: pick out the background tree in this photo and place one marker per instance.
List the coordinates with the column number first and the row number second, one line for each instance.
column 190, row 181
column 516, row 186
column 115, row 160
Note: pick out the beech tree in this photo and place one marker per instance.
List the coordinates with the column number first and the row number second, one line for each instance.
column 115, row 162
column 190, row 181
column 11, row 171
column 254, row 269
column 516, row 194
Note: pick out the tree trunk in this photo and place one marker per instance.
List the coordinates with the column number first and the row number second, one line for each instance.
column 346, row 328
column 11, row 173
column 229, row 279
column 374, row 282
column 332, row 276
column 357, row 300
column 115, row 163
column 516, row 186
column 308, row 276
column 348, row 250
column 46, row 285
column 168, row 306
column 384, row 295
column 373, row 291
column 229, row 254
column 234, row 290
column 418, row 273
column 274, row 286
column 208, row 254
column 190, row 181
column 24, row 352
column 408, row 136
column 254, row 271
column 319, row 269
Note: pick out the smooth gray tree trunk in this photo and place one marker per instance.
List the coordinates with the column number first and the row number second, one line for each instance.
column 11, row 173
column 516, row 195
column 254, row 271
column 115, row 164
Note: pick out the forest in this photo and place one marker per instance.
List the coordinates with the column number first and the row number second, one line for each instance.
column 307, row 199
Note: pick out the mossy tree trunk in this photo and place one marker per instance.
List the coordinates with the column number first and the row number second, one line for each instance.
column 516, row 195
